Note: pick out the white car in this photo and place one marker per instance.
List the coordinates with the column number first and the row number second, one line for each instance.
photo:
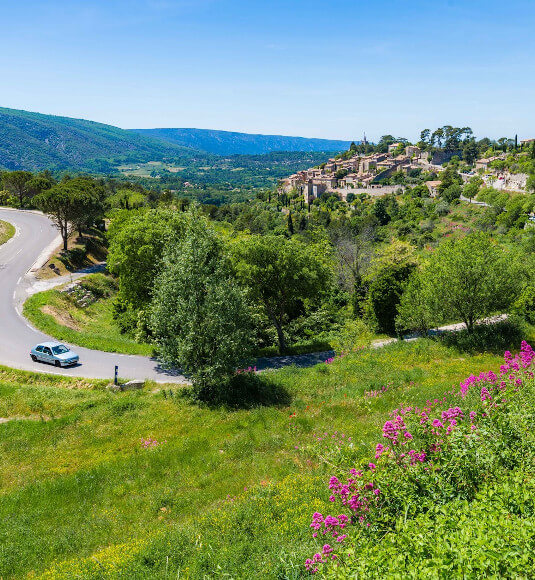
column 54, row 353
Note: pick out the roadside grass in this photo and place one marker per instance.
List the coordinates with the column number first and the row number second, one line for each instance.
column 7, row 231
column 92, row 326
column 225, row 493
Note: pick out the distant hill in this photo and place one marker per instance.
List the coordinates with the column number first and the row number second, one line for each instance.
column 34, row 141
column 230, row 143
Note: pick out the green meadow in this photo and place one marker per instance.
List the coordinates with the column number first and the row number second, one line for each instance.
column 224, row 492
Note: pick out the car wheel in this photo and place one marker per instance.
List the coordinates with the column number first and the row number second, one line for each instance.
column 57, row 363
column 34, row 358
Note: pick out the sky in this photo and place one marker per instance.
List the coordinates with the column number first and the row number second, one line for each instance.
column 332, row 69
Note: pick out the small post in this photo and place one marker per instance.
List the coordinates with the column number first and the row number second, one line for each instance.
column 115, row 381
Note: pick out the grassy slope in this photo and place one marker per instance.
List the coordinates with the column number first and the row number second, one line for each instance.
column 7, row 231
column 91, row 327
column 82, row 472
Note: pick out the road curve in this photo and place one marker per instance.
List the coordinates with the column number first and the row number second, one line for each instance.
column 36, row 232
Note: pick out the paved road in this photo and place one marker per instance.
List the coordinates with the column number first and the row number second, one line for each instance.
column 35, row 233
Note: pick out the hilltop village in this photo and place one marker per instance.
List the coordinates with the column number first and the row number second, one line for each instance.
column 361, row 173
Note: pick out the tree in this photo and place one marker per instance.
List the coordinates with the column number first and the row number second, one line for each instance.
column 88, row 197
column 379, row 210
column 471, row 189
column 466, row 279
column 415, row 310
column 452, row 192
column 448, row 178
column 281, row 275
column 425, row 136
column 470, row 151
column 354, row 254
column 290, row 224
column 16, row 182
column 138, row 239
column 59, row 205
column 73, row 203
column 199, row 315
column 388, row 274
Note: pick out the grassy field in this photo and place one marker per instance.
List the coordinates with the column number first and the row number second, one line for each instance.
column 223, row 493
column 7, row 231
column 60, row 315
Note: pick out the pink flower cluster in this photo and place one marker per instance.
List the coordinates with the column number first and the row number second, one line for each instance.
column 396, row 431
column 358, row 497
column 247, row 370
column 150, row 442
column 318, row 558
column 376, row 392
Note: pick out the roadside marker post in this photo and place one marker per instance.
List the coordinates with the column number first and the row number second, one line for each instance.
column 115, row 381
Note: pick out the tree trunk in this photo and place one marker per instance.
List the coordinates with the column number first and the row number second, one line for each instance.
column 280, row 338
column 65, row 235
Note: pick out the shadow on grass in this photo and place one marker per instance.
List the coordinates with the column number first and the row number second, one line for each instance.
column 495, row 338
column 244, row 391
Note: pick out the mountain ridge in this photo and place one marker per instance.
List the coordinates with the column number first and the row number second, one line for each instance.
column 221, row 142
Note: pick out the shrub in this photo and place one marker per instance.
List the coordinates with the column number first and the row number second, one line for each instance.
column 525, row 304
column 433, row 459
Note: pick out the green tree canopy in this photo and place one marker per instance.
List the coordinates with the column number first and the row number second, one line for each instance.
column 16, row 182
column 138, row 239
column 199, row 315
column 74, row 203
column 466, row 279
column 388, row 273
column 281, row 276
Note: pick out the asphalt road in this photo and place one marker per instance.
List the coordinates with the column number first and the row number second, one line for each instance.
column 35, row 234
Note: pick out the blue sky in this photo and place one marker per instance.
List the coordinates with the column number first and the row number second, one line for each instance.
column 319, row 69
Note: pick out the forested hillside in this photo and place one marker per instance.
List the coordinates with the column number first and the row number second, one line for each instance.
column 231, row 143
column 33, row 141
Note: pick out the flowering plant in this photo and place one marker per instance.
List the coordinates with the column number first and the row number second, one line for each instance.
column 436, row 453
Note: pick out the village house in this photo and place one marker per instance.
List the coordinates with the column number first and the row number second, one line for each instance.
column 432, row 186
column 412, row 151
column 484, row 163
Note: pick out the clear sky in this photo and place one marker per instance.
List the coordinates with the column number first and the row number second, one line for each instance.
column 318, row 69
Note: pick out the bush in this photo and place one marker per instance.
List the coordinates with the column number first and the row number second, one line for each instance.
column 489, row 337
column 525, row 304
column 435, row 461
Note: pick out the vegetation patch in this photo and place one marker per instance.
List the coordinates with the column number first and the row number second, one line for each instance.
column 92, row 326
column 7, row 231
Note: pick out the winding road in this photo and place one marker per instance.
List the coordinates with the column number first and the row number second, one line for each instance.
column 35, row 238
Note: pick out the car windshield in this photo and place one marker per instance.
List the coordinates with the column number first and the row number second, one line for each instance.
column 60, row 349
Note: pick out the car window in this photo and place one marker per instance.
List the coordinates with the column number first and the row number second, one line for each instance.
column 39, row 348
column 60, row 349
column 46, row 350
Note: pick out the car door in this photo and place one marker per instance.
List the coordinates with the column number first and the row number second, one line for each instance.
column 47, row 355
column 39, row 353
